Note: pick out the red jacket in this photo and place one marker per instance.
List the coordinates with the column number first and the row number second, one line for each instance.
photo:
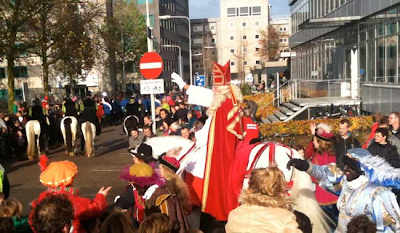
column 85, row 208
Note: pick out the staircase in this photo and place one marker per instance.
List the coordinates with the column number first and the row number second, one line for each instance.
column 285, row 113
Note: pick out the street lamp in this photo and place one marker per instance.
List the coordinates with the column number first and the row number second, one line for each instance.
column 180, row 57
column 190, row 39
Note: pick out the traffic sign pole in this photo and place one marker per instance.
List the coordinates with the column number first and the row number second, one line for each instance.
column 150, row 49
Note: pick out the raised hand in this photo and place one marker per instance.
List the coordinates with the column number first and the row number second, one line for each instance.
column 178, row 80
column 104, row 191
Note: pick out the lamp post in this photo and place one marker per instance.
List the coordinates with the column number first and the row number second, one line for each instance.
column 190, row 39
column 180, row 57
column 150, row 49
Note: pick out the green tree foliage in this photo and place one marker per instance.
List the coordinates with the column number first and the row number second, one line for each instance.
column 269, row 43
column 15, row 36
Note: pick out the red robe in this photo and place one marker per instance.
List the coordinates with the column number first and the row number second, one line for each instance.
column 225, row 129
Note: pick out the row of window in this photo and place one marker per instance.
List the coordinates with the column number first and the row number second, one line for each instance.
column 243, row 11
column 198, row 41
column 244, row 37
column 244, row 50
column 19, row 72
column 200, row 28
column 244, row 24
column 168, row 24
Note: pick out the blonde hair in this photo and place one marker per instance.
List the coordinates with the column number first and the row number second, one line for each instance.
column 177, row 186
column 11, row 207
column 268, row 181
column 155, row 223
column 220, row 96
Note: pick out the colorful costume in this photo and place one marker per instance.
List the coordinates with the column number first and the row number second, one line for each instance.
column 220, row 134
column 368, row 194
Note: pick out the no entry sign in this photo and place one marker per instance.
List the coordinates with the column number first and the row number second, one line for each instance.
column 151, row 65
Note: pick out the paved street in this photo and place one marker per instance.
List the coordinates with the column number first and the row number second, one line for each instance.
column 93, row 173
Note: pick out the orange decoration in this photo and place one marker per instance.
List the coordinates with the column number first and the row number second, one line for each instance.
column 58, row 174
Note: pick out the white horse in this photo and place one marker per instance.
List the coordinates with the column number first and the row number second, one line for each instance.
column 69, row 127
column 130, row 122
column 89, row 133
column 193, row 159
column 33, row 129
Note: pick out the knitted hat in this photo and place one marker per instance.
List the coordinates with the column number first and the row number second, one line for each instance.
column 324, row 132
column 141, row 174
column 57, row 174
column 170, row 162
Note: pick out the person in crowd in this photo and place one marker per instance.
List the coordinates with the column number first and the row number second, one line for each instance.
column 70, row 108
column 264, row 206
column 364, row 188
column 251, row 128
column 192, row 136
column 361, row 223
column 164, row 114
column 22, row 119
column 157, row 199
column 181, row 111
column 3, row 123
column 6, row 225
column 173, row 111
column 53, row 214
column 303, row 221
column 118, row 222
column 165, row 105
column 253, row 107
column 376, row 117
column 394, row 122
column 131, row 199
column 174, row 184
column 155, row 223
column 142, row 108
column 100, row 110
column 321, row 152
column 58, row 177
column 185, row 133
column 147, row 121
column 115, row 112
column 148, row 133
column 88, row 113
column 136, row 138
column 391, row 139
column 261, row 87
column 344, row 141
column 16, row 107
column 165, row 128
column 175, row 129
column 4, row 184
column 192, row 117
column 381, row 147
column 12, row 208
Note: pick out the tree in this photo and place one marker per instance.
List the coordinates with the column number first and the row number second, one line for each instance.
column 240, row 56
column 15, row 36
column 76, row 49
column 269, row 44
column 125, row 33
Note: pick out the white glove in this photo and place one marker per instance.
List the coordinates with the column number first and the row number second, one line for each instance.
column 178, row 80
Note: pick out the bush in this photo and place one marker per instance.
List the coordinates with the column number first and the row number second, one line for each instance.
column 246, row 89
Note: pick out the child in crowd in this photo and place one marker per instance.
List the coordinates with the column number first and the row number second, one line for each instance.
column 12, row 208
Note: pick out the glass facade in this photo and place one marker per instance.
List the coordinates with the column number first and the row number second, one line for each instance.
column 376, row 39
column 302, row 10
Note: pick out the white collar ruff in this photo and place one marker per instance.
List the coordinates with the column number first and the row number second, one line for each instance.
column 355, row 184
column 149, row 192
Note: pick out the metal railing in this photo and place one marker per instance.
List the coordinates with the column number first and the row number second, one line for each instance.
column 321, row 88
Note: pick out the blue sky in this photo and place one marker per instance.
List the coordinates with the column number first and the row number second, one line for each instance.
column 210, row 8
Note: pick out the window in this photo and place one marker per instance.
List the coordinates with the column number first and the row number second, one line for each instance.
column 232, row 63
column 213, row 53
column 151, row 20
column 256, row 10
column 244, row 24
column 281, row 40
column 257, row 49
column 280, row 29
column 231, row 12
column 232, row 38
column 232, row 51
column 198, row 28
column 257, row 23
column 244, row 37
column 198, row 41
column 197, row 65
column 212, row 40
column 141, row 2
column 231, row 25
column 207, row 28
column 244, row 11
column 257, row 37
column 2, row 72
column 20, row 72
column 245, row 63
column 244, row 49
column 258, row 62
column 212, row 28
column 284, row 29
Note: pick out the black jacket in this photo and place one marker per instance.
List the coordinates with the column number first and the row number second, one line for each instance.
column 70, row 108
column 386, row 151
column 395, row 132
column 89, row 112
column 342, row 146
column 132, row 109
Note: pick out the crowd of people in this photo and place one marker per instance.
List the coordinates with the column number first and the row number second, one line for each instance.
column 355, row 184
